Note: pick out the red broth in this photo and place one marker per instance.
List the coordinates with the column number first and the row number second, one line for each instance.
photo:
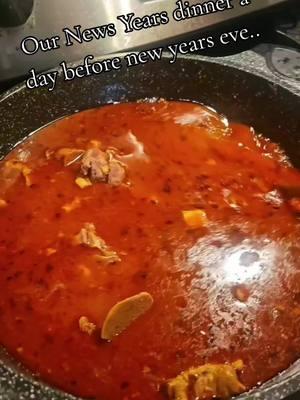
column 226, row 291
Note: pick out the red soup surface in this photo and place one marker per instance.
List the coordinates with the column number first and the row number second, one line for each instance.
column 164, row 200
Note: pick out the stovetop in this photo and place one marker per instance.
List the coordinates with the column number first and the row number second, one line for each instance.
column 279, row 42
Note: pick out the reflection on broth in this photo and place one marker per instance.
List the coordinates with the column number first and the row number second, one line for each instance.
column 150, row 251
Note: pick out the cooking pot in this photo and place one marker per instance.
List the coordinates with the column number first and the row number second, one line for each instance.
column 244, row 92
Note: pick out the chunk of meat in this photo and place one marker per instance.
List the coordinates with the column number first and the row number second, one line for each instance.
column 100, row 166
column 232, row 200
column 210, row 381
column 124, row 313
column 110, row 257
column 86, row 326
column 88, row 237
column 137, row 149
column 49, row 154
column 117, row 173
column 95, row 165
column 273, row 198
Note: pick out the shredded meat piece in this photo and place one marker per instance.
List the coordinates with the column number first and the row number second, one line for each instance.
column 211, row 381
column 125, row 313
column 15, row 168
column 49, row 153
column 110, row 257
column 116, row 174
column 86, row 326
column 88, row 237
column 274, row 198
column 138, row 150
column 50, row 251
column 100, row 166
column 70, row 156
column 69, row 207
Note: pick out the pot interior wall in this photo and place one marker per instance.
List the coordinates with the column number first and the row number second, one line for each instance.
column 241, row 96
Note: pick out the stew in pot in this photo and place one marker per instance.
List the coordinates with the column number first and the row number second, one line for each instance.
column 150, row 250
